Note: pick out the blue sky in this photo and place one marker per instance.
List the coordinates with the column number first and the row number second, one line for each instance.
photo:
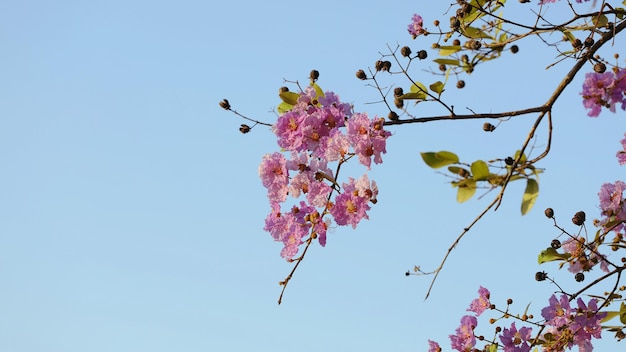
column 131, row 212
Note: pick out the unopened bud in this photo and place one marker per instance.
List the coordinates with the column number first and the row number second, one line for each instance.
column 244, row 128
column 487, row 127
column 360, row 74
column 225, row 104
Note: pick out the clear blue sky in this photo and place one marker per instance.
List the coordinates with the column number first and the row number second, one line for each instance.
column 131, row 212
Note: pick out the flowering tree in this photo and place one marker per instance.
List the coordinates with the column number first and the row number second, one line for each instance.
column 318, row 134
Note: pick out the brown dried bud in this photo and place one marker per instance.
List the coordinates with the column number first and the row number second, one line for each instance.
column 314, row 75
column 225, row 104
column 579, row 277
column 549, row 213
column 556, row 244
column 461, row 84
column 577, row 44
column 378, row 65
column 442, row 68
column 456, row 42
column 475, row 44
column 599, row 67
column 436, row 23
column 386, row 66
column 422, row 54
column 399, row 103
column 398, row 91
column 360, row 74
column 514, row 49
column 393, row 116
column 579, row 218
column 454, row 23
column 244, row 128
column 541, row 276
column 588, row 42
column 509, row 161
column 405, row 51
column 487, row 127
column 509, row 301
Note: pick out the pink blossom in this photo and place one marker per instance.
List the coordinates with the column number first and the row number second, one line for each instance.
column 415, row 28
column 464, row 340
column 433, row 346
column 367, row 137
column 621, row 155
column 604, row 90
column 481, row 303
column 515, row 340
column 612, row 197
column 274, row 176
column 349, row 207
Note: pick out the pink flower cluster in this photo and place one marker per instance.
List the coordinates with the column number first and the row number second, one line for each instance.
column 612, row 206
column 565, row 326
column 568, row 326
column 317, row 131
column 416, row 27
column 604, row 90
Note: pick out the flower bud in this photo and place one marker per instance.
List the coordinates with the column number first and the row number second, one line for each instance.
column 514, row 49
column 556, row 244
column 378, row 65
column 360, row 74
column 314, row 75
column 509, row 161
column 579, row 218
column 244, row 128
column 442, row 68
column 225, row 104
column 405, row 51
column 461, row 84
column 392, row 116
column 456, row 42
column 599, row 67
column 541, row 276
column 487, row 127
column 579, row 277
column 386, row 66
column 422, row 54
column 549, row 213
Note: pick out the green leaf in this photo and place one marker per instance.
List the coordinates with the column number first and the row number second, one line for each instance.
column 610, row 315
column 439, row 159
column 437, row 87
column 492, row 348
column 461, row 172
column 523, row 159
column 289, row 97
column 550, row 254
column 318, row 90
column 411, row 96
column 447, row 61
column 284, row 107
column 569, row 35
column 474, row 33
column 622, row 313
column 418, row 87
column 480, row 170
column 466, row 190
column 530, row 195
column 446, row 50
column 600, row 21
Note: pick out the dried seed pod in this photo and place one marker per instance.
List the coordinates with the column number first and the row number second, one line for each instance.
column 541, row 276
column 461, row 84
column 579, row 277
column 579, row 218
column 224, row 104
column 549, row 213
column 487, row 127
column 509, row 161
column 392, row 116
column 360, row 74
column 514, row 49
column 244, row 128
column 398, row 91
column 314, row 75
column 422, row 54
column 599, row 67
column 405, row 51
column 556, row 244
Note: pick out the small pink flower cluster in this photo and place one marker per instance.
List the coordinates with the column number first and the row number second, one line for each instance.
column 568, row 326
column 604, row 90
column 312, row 132
column 565, row 327
column 416, row 27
